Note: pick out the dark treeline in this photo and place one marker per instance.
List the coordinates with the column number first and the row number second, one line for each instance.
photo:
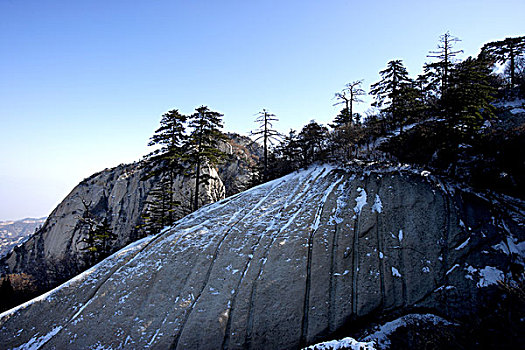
column 444, row 119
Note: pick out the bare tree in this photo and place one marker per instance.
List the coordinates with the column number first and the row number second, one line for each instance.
column 266, row 133
column 348, row 96
column 445, row 54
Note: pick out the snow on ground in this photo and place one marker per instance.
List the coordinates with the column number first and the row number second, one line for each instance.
column 510, row 104
column 345, row 343
column 378, row 206
column 395, row 272
column 463, row 245
column 89, row 276
column 37, row 342
column 360, row 200
column 515, row 106
column 509, row 246
column 489, row 275
column 382, row 333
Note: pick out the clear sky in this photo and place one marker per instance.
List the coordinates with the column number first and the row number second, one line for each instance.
column 83, row 84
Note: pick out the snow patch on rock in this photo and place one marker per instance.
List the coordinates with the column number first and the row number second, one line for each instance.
column 345, row 343
column 382, row 333
column 360, row 200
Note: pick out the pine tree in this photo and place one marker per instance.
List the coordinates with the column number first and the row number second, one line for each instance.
column 342, row 119
column 289, row 150
column 507, row 50
column 391, row 89
column 7, row 293
column 165, row 163
column 345, row 139
column 411, row 105
column 348, row 96
column 203, row 146
column 170, row 139
column 311, row 141
column 103, row 237
column 267, row 134
column 161, row 207
column 445, row 55
column 468, row 101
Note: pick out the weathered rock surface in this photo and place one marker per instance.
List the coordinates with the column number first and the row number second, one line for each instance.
column 237, row 171
column 56, row 252
column 285, row 264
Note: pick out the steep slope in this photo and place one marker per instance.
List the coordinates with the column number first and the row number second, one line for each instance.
column 285, row 264
column 57, row 252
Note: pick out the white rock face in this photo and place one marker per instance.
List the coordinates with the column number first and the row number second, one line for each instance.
column 56, row 253
column 119, row 194
column 280, row 266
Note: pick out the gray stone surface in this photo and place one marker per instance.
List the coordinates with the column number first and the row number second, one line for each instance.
column 286, row 264
column 55, row 253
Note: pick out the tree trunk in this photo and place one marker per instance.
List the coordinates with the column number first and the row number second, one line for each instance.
column 265, row 146
column 197, row 184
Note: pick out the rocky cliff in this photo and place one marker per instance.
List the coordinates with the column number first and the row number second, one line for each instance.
column 286, row 264
column 243, row 156
column 57, row 251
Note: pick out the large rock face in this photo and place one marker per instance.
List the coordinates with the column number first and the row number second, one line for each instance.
column 243, row 156
column 57, row 251
column 285, row 264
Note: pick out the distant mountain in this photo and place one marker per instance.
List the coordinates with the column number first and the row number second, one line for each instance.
column 13, row 233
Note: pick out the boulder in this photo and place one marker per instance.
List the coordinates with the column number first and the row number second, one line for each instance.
column 287, row 264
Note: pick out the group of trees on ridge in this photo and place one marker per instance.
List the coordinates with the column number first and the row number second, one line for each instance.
column 438, row 119
column 184, row 146
column 433, row 120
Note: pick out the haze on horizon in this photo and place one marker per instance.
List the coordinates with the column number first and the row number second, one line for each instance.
column 84, row 84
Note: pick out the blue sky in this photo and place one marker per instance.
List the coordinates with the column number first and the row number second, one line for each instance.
column 83, row 83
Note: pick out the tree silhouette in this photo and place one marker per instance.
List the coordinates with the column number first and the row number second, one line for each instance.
column 348, row 96
column 98, row 234
column 203, row 146
column 468, row 101
column 445, row 55
column 165, row 163
column 390, row 91
column 267, row 134
column 311, row 141
column 507, row 50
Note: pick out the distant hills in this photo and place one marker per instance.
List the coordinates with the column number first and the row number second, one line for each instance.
column 13, row 233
